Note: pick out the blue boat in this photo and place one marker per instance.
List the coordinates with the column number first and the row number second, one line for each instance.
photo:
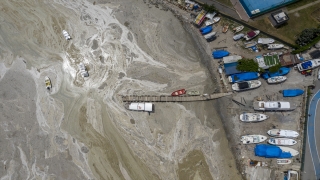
column 246, row 76
column 292, row 92
column 207, row 30
column 271, row 151
column 204, row 28
column 281, row 72
column 219, row 54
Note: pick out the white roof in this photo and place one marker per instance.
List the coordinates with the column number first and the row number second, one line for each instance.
column 141, row 106
column 231, row 59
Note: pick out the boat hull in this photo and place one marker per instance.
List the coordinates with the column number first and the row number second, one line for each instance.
column 284, row 161
column 246, row 85
column 282, row 141
column 178, row 92
column 253, row 139
column 276, row 79
column 253, row 117
column 283, row 133
column 292, row 92
column 259, row 106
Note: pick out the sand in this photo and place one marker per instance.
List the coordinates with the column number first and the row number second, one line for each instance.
column 80, row 129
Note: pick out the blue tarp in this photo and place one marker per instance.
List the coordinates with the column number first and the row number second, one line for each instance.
column 244, row 76
column 270, row 151
column 292, row 92
column 219, row 54
column 282, row 71
column 231, row 68
column 206, row 30
column 306, row 65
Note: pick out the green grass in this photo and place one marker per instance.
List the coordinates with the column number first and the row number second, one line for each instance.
column 298, row 4
column 226, row 2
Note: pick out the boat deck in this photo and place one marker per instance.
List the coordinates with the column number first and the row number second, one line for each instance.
column 183, row 98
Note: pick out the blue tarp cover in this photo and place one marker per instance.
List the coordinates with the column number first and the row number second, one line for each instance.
column 292, row 92
column 244, row 76
column 207, row 30
column 282, row 71
column 270, row 151
column 219, row 54
column 231, row 68
column 306, row 65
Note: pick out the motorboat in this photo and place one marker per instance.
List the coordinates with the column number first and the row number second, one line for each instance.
column 283, row 133
column 139, row 107
column 246, row 85
column 255, row 163
column 292, row 92
column 281, row 72
column 48, row 83
column 207, row 36
column 282, row 141
column 246, row 76
column 238, row 36
column 193, row 93
column 178, row 92
column 275, row 46
column 250, row 44
column 238, row 29
column 206, row 30
column 311, row 64
column 284, row 161
column 276, row 79
column 252, row 34
column 273, row 106
column 253, row 117
column 272, row 151
column 225, row 28
column 200, row 17
column 253, row 139
column 66, row 35
column 220, row 54
column 293, row 152
column 212, row 21
column 265, row 40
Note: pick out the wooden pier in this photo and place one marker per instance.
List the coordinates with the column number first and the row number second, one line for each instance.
column 184, row 98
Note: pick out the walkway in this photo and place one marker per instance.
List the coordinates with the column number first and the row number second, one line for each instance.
column 302, row 7
column 311, row 133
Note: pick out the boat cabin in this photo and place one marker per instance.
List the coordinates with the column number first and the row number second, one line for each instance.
column 243, row 85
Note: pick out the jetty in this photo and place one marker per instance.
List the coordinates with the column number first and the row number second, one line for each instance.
column 166, row 98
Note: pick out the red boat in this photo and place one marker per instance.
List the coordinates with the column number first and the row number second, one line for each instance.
column 178, row 92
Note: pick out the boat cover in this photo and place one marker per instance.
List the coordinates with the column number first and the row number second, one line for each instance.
column 204, row 28
column 243, row 85
column 270, row 151
column 306, row 65
column 292, row 92
column 219, row 54
column 246, row 76
column 251, row 34
column 231, row 68
column 282, row 71
column 207, row 30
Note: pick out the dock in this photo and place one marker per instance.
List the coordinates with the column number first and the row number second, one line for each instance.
column 165, row 98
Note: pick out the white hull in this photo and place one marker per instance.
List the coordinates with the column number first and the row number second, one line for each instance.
column 293, row 152
column 207, row 36
column 238, row 29
column 276, row 79
column 257, row 32
column 66, row 35
column 140, row 107
column 282, row 141
column 273, row 106
column 238, row 36
column 250, row 44
column 283, row 133
column 315, row 63
column 253, row 117
column 253, row 139
column 275, row 46
column 246, row 85
column 265, row 40
column 212, row 21
column 284, row 161
column 293, row 175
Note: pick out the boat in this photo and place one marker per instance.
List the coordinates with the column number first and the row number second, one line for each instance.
column 292, row 92
column 273, row 106
column 48, row 83
column 283, row 161
column 238, row 36
column 200, row 17
column 178, row 92
column 282, row 141
column 206, row 30
column 253, row 139
column 246, row 85
column 265, row 40
column 276, row 79
column 139, row 106
column 66, row 35
column 207, row 36
column 212, row 21
column 253, row 117
column 252, row 34
column 238, row 29
column 283, row 133
column 275, row 46
column 83, row 70
column 246, row 76
column 272, row 151
column 311, row 64
column 281, row 72
column 193, row 93
column 255, row 163
column 219, row 54
column 212, row 38
column 250, row 44
column 292, row 175
column 225, row 28
column 220, row 69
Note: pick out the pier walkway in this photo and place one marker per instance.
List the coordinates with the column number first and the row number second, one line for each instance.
column 164, row 98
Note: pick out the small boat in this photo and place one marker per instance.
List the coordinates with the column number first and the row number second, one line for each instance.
column 292, row 175
column 225, row 28
column 253, row 117
column 255, row 163
column 275, row 46
column 66, row 35
column 220, row 69
column 207, row 36
column 238, row 36
column 178, row 92
column 139, row 106
column 252, row 34
column 212, row 38
column 293, row 152
column 200, row 18
column 238, row 29
column 250, row 44
column 246, row 85
column 283, row 133
column 282, row 141
column 253, row 139
column 206, row 30
column 276, row 79
column 265, row 40
column 219, row 54
column 272, row 151
column 212, row 21
column 283, row 161
column 273, row 106
column 292, row 92
column 281, row 72
column 193, row 93
column 306, row 65
column 246, row 76
column 48, row 83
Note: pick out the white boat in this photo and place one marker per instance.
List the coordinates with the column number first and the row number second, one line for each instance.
column 253, row 139
column 246, row 85
column 207, row 36
column 306, row 65
column 252, row 34
column 293, row 152
column 292, row 175
column 212, row 21
column 139, row 106
column 265, row 40
column 238, row 36
column 275, row 46
column 83, row 70
column 282, row 141
column 220, row 69
column 276, row 79
column 283, row 161
column 66, row 35
column 283, row 133
column 250, row 44
column 253, row 117
column 48, row 82
column 193, row 93
column 238, row 29
column 255, row 163
column 273, row 106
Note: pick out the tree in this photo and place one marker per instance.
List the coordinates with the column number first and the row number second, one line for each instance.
column 248, row 65
column 209, row 8
column 275, row 68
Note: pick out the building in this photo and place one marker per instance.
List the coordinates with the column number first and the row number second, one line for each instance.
column 278, row 18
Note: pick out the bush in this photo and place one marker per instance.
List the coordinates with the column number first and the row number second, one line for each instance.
column 306, row 47
column 307, row 36
column 209, row 8
column 248, row 65
column 274, row 68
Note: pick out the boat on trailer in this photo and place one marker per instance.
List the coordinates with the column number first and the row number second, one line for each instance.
column 253, row 117
column 253, row 139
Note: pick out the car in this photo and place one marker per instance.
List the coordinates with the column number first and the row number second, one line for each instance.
column 319, row 74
